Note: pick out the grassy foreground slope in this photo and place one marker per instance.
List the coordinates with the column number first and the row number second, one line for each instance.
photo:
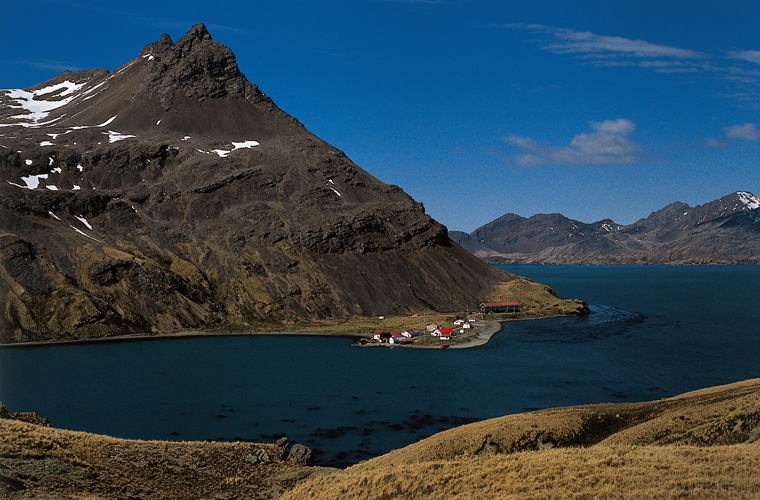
column 703, row 444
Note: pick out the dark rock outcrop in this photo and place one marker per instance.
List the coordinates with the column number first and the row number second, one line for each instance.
column 28, row 417
column 301, row 455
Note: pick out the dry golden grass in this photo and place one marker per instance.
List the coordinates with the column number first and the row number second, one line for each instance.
column 599, row 472
column 82, row 465
column 681, row 447
column 703, row 444
column 532, row 296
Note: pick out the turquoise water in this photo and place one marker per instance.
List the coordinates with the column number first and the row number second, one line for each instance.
column 654, row 332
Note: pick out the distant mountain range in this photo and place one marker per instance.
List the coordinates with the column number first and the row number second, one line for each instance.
column 724, row 231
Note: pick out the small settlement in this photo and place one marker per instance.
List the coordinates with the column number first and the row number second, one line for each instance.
column 443, row 333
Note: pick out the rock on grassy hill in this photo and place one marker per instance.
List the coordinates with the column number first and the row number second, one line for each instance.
column 703, row 444
column 172, row 193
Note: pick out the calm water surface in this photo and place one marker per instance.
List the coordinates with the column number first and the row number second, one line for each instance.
column 655, row 331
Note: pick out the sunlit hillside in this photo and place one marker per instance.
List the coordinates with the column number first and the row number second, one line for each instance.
column 703, row 444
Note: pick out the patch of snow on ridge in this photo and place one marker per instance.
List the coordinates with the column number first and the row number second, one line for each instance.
column 90, row 91
column 336, row 191
column 46, row 143
column 84, row 234
column 70, row 88
column 33, row 181
column 84, row 221
column 107, row 122
column 235, row 145
column 38, row 109
column 116, row 136
column 750, row 201
column 29, row 162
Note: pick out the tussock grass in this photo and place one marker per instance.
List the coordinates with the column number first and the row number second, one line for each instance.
column 680, row 447
column 533, row 296
column 702, row 444
column 82, row 465
column 599, row 472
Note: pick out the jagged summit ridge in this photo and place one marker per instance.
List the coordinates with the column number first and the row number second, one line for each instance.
column 167, row 88
column 196, row 65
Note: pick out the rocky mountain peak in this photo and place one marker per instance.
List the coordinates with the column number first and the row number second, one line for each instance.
column 197, row 33
column 171, row 193
column 196, row 66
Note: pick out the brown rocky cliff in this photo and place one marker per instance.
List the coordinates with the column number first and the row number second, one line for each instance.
column 173, row 194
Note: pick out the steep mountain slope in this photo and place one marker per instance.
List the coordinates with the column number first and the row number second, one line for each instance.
column 172, row 193
column 724, row 231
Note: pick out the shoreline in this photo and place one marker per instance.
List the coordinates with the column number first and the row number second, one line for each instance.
column 482, row 338
column 188, row 334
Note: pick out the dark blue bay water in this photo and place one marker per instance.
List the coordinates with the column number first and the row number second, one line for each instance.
column 655, row 331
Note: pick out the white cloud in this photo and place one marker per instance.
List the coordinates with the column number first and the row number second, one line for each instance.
column 608, row 144
column 746, row 132
column 619, row 126
column 565, row 41
column 713, row 143
column 738, row 68
column 746, row 55
column 52, row 65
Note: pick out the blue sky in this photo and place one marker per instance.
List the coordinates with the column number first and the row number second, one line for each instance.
column 592, row 109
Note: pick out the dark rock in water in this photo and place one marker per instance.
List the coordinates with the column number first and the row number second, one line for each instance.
column 4, row 411
column 301, row 455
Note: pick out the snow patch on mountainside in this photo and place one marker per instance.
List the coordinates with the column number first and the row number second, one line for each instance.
column 117, row 136
column 235, row 145
column 37, row 108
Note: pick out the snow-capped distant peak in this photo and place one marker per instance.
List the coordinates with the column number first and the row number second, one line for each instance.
column 751, row 201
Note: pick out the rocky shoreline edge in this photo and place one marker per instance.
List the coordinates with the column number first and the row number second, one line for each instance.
column 483, row 337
